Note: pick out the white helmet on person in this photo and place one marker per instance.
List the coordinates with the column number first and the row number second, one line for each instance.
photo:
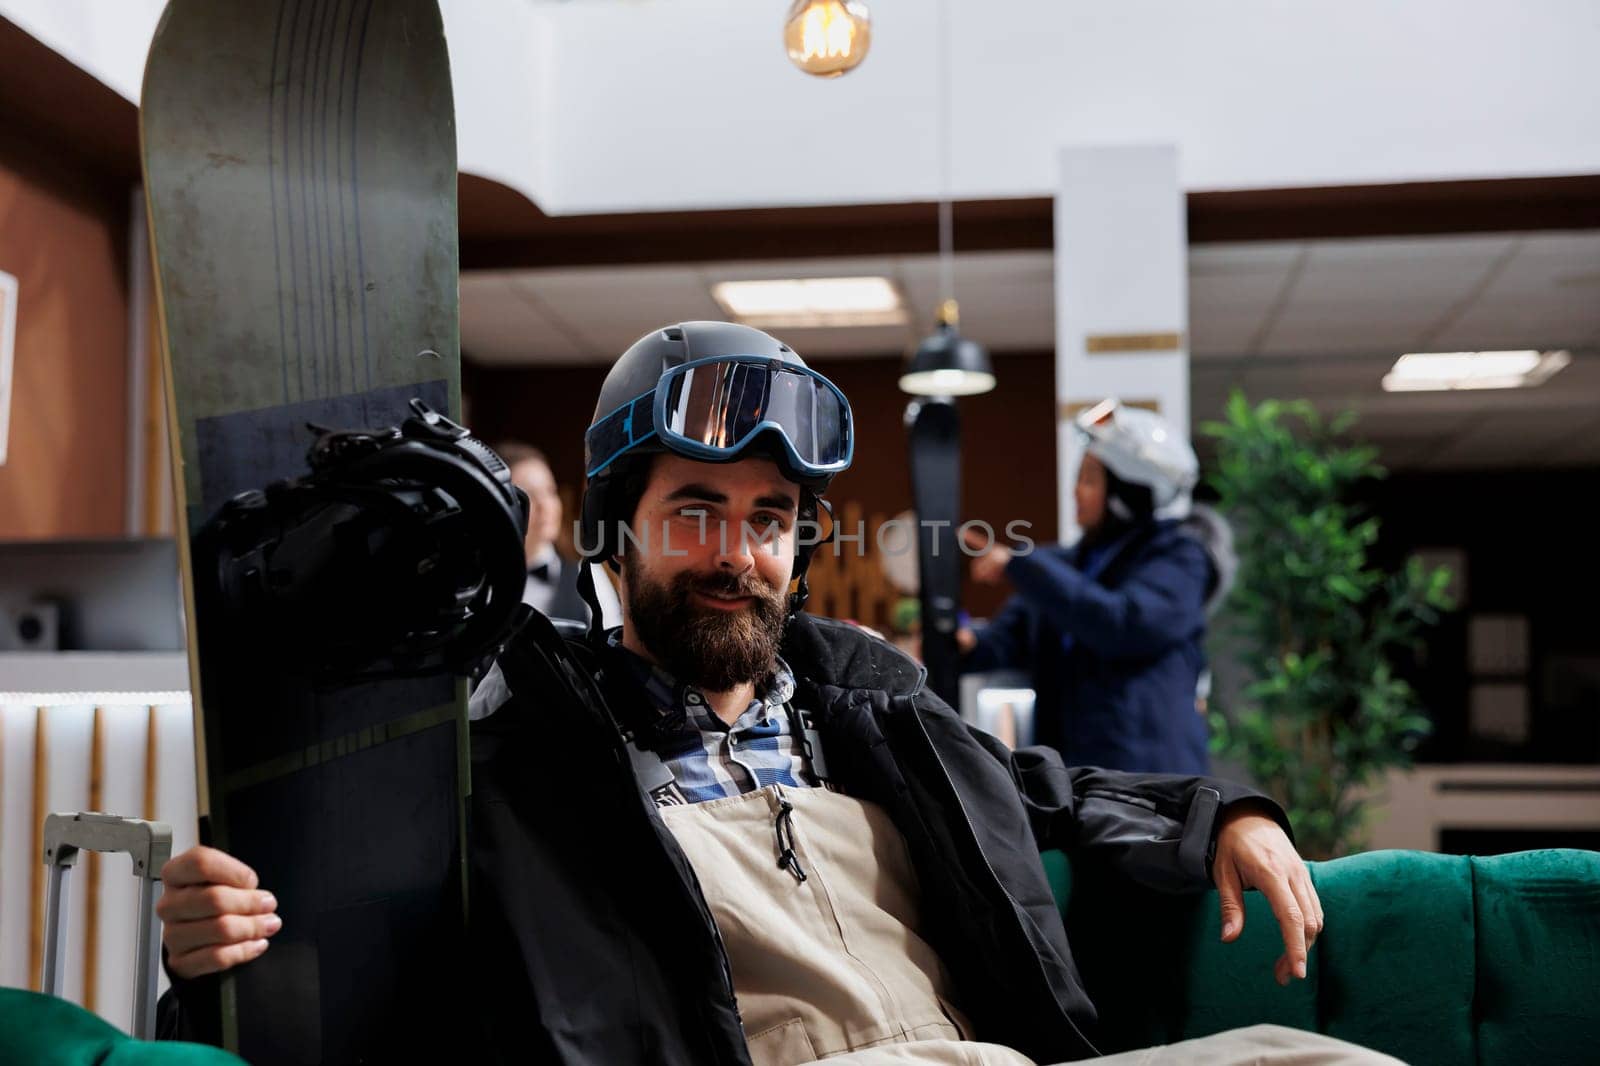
column 1139, row 447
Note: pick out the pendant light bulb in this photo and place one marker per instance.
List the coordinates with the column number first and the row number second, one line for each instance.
column 827, row 38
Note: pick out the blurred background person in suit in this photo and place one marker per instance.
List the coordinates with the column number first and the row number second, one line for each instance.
column 552, row 585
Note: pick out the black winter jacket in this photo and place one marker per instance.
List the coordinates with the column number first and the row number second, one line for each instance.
column 594, row 945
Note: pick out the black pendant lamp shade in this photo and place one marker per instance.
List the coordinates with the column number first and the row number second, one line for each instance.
column 948, row 364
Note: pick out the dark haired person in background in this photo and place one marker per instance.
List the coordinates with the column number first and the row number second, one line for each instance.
column 552, row 587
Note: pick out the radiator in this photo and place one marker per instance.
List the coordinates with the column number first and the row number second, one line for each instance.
column 125, row 753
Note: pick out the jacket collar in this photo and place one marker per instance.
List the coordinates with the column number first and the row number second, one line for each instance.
column 845, row 656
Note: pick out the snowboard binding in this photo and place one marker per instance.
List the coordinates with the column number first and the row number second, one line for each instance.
column 399, row 554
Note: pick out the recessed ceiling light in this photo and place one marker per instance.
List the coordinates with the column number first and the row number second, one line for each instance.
column 946, row 383
column 812, row 302
column 1444, row 371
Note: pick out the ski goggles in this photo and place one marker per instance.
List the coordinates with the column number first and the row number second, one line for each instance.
column 711, row 409
column 1093, row 422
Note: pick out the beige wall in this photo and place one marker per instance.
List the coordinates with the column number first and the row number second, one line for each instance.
column 63, row 235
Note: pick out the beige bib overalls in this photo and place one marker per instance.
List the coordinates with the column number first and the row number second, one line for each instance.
column 817, row 903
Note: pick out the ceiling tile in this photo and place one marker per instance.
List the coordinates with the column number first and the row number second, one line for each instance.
column 853, row 341
column 497, row 327
column 1548, row 296
column 1378, row 294
column 1503, row 438
column 763, row 270
column 1232, row 287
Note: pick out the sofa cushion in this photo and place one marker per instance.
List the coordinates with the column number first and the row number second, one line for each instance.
column 1538, row 988
column 1395, row 963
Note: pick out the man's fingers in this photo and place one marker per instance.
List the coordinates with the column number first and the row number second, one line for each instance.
column 1290, row 920
column 1231, row 897
column 213, row 959
column 203, row 865
column 1315, row 900
column 207, row 901
column 1310, row 907
column 975, row 540
column 185, row 937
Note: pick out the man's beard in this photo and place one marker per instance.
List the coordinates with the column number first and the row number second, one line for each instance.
column 703, row 646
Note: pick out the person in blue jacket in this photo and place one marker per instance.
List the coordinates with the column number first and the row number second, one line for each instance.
column 1113, row 628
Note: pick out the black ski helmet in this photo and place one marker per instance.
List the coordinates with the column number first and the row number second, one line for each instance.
column 636, row 373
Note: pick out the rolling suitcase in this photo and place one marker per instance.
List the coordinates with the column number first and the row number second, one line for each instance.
column 149, row 844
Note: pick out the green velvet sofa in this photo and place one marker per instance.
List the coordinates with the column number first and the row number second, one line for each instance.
column 1434, row 959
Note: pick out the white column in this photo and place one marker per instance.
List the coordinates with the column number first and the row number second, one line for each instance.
column 1122, row 294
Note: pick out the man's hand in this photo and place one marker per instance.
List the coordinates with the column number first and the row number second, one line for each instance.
column 1254, row 852
column 990, row 567
column 213, row 917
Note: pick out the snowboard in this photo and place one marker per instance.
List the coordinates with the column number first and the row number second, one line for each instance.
column 300, row 185
column 935, row 446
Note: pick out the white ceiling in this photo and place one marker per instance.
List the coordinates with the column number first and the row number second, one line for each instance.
column 1320, row 319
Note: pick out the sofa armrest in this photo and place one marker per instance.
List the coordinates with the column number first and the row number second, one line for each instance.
column 36, row 1028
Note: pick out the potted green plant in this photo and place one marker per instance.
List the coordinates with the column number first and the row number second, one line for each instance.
column 1315, row 627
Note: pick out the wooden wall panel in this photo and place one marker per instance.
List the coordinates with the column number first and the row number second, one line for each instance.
column 63, row 233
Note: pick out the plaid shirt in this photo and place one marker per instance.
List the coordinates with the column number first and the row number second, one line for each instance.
column 710, row 759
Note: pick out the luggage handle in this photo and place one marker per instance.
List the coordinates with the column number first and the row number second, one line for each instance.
column 150, row 846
